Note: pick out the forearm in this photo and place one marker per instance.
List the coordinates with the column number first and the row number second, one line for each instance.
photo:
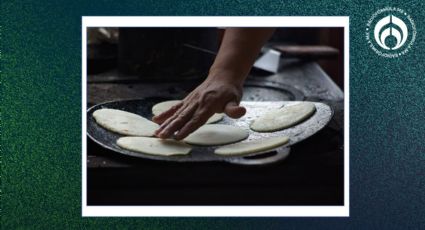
column 222, row 90
column 237, row 53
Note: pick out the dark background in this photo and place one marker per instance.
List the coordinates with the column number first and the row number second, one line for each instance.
column 41, row 117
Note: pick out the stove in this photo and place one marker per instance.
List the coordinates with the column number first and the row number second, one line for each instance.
column 311, row 175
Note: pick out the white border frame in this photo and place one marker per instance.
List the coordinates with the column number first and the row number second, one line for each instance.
column 216, row 211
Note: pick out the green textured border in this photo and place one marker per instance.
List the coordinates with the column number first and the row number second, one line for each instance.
column 41, row 78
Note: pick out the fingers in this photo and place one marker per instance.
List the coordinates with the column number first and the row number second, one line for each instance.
column 159, row 119
column 169, row 120
column 233, row 110
column 189, row 118
column 198, row 119
column 176, row 122
column 197, row 107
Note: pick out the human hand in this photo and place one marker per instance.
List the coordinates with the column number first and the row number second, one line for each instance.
column 214, row 95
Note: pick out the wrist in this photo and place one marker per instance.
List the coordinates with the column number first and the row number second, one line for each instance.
column 232, row 76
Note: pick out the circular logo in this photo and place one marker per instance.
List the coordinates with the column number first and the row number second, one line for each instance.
column 390, row 32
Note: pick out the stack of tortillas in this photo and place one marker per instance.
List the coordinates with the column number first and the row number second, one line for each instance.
column 139, row 131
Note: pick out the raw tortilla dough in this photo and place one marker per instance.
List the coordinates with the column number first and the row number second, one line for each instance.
column 285, row 117
column 154, row 146
column 216, row 134
column 125, row 123
column 166, row 105
column 252, row 146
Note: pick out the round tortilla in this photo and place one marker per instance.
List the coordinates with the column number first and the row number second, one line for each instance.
column 125, row 123
column 252, row 146
column 154, row 146
column 285, row 117
column 216, row 134
column 166, row 105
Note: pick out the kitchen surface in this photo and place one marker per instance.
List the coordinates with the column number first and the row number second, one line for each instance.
column 312, row 174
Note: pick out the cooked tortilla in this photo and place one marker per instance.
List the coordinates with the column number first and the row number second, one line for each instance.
column 260, row 145
column 125, row 123
column 216, row 134
column 154, row 146
column 285, row 117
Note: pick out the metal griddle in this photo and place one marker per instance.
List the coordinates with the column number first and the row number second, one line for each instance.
column 297, row 133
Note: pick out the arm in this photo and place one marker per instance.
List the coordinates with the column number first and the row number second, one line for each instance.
column 222, row 90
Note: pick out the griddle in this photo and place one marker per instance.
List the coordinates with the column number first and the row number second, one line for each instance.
column 320, row 118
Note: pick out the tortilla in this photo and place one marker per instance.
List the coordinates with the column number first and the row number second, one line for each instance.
column 285, row 117
column 252, row 146
column 154, row 146
column 216, row 134
column 125, row 123
column 166, row 105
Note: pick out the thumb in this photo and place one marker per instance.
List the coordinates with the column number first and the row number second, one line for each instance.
column 233, row 110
